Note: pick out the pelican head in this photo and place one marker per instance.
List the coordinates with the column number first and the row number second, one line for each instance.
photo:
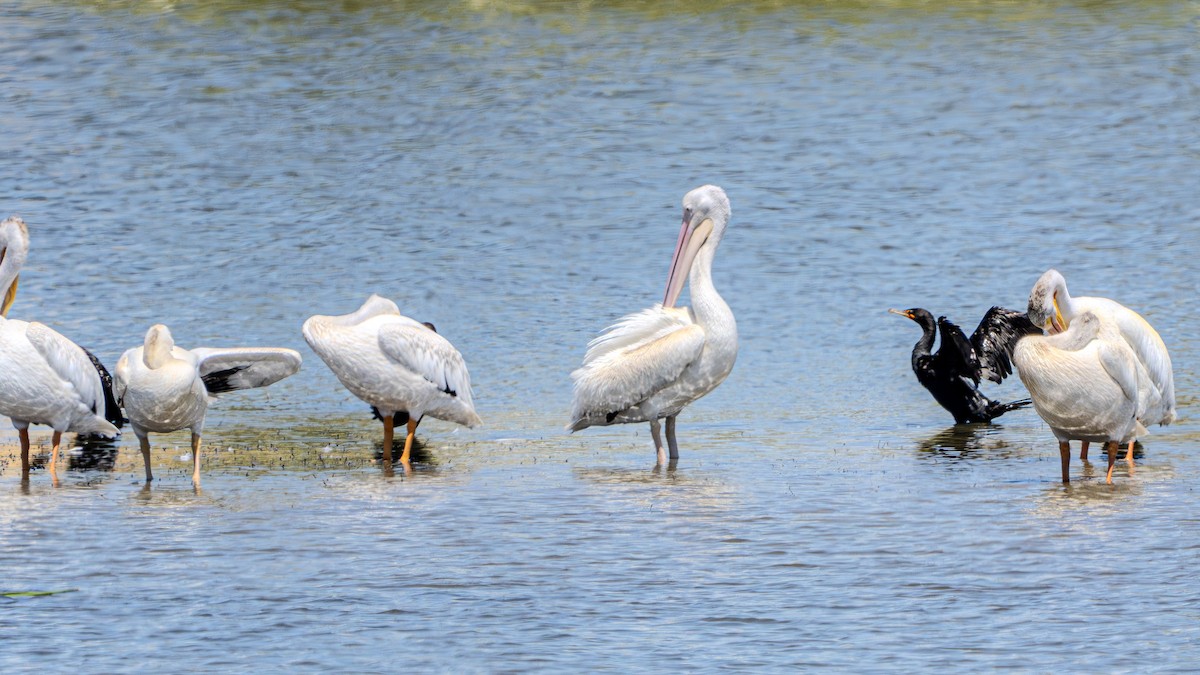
column 705, row 214
column 14, row 245
column 158, row 345
column 918, row 314
column 1047, row 301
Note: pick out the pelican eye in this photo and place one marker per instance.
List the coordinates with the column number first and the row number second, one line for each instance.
column 687, row 215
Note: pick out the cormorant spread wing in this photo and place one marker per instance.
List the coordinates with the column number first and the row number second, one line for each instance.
column 996, row 338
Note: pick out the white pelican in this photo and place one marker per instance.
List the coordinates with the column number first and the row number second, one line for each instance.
column 1053, row 308
column 1084, row 383
column 44, row 377
column 400, row 367
column 651, row 364
column 165, row 388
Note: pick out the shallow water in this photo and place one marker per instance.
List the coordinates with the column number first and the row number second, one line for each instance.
column 512, row 172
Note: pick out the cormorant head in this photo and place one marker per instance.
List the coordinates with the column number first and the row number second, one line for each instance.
column 918, row 314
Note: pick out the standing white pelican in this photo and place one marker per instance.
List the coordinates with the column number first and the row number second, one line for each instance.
column 44, row 377
column 1084, row 383
column 400, row 367
column 165, row 388
column 652, row 364
column 1052, row 308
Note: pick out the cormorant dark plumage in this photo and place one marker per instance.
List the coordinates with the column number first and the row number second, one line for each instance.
column 952, row 374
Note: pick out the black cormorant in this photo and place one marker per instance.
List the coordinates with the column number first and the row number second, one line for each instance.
column 952, row 374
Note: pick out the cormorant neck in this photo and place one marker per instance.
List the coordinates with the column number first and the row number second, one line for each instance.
column 924, row 344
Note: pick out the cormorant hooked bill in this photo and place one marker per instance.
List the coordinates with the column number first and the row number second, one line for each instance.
column 952, row 374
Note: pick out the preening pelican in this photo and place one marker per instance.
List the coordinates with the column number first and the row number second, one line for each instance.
column 952, row 374
column 1053, row 308
column 165, row 388
column 44, row 377
column 650, row 365
column 1084, row 383
column 400, row 367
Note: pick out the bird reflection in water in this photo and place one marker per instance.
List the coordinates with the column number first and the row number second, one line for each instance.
column 95, row 453
column 660, row 474
column 966, row 441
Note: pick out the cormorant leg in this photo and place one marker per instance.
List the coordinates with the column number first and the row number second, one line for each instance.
column 1129, row 454
column 658, row 446
column 671, row 445
column 388, row 425
column 408, row 441
column 23, row 434
column 1083, row 450
column 1064, row 451
column 195, row 459
column 144, row 441
column 1111, row 447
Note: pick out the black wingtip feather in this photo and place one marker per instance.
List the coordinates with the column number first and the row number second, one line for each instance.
column 217, row 382
column 112, row 411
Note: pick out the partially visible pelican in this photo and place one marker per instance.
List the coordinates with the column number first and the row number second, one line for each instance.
column 1084, row 383
column 650, row 365
column 952, row 374
column 400, row 367
column 44, row 377
column 165, row 388
column 1053, row 308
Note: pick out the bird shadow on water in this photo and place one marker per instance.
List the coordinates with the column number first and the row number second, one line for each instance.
column 422, row 461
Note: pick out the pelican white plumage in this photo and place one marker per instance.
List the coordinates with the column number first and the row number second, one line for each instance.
column 650, row 365
column 165, row 388
column 1084, row 382
column 404, row 369
column 1053, row 308
column 44, row 377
